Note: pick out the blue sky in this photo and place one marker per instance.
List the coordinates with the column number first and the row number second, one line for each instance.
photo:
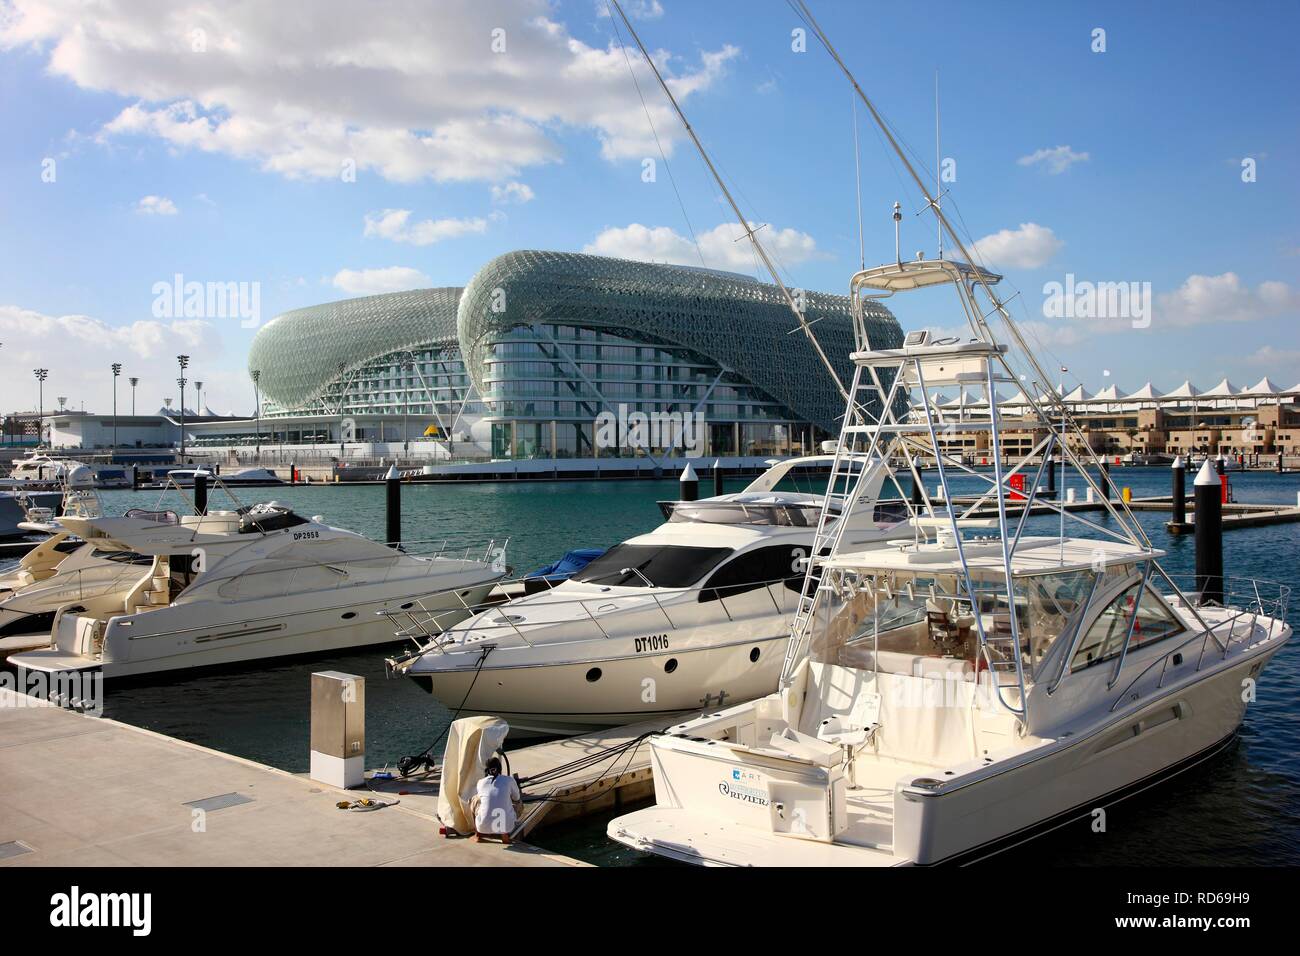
column 219, row 156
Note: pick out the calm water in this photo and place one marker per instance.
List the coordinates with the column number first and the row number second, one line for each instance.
column 1241, row 808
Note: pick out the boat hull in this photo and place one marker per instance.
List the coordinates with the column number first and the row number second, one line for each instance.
column 166, row 639
column 1011, row 802
column 560, row 698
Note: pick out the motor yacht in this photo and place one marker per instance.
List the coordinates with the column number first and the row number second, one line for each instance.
column 692, row 614
column 245, row 478
column 231, row 586
column 946, row 697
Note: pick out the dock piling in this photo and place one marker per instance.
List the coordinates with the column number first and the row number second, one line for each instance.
column 200, row 492
column 690, row 484
column 1209, row 535
column 393, row 508
column 1178, row 520
column 717, row 477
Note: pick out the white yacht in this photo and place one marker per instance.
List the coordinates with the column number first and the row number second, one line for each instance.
column 241, row 585
column 946, row 697
column 692, row 614
column 245, row 477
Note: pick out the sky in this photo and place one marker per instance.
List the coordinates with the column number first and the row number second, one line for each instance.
column 279, row 155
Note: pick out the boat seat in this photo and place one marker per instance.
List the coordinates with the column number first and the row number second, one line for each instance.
column 854, row 728
column 804, row 747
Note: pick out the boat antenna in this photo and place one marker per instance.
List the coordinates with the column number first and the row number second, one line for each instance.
column 740, row 217
column 938, row 162
column 898, row 221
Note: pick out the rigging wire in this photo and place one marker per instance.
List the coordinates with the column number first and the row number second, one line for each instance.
column 655, row 133
column 749, row 231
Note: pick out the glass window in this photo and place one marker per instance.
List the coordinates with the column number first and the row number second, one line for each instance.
column 1105, row 636
column 754, row 569
column 665, row 566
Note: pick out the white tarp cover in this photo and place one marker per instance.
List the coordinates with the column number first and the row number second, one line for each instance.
column 470, row 742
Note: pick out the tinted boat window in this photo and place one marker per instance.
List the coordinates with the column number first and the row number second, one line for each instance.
column 666, row 566
column 778, row 563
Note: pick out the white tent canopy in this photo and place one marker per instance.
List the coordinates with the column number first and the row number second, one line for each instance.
column 1264, row 387
column 1225, row 389
column 1147, row 392
column 1186, row 390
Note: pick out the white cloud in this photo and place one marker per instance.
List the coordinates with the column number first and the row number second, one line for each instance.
column 513, row 192
column 395, row 225
column 1201, row 300
column 1284, row 361
column 156, row 206
column 635, row 9
column 78, row 349
column 1027, row 247
column 303, row 86
column 375, row 281
column 1056, row 160
column 719, row 245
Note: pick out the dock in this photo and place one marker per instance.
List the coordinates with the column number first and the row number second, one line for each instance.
column 78, row 790
column 1235, row 514
column 612, row 781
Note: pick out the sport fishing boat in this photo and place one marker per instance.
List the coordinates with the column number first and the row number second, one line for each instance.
column 232, row 586
column 945, row 698
column 695, row 612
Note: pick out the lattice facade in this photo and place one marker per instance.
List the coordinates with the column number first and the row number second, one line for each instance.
column 740, row 324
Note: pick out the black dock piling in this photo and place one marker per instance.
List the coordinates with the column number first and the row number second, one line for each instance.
column 690, row 484
column 1051, row 477
column 1177, row 523
column 1105, row 480
column 200, row 492
column 717, row 477
column 918, row 496
column 1209, row 536
column 393, row 508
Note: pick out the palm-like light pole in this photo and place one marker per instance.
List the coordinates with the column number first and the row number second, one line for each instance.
column 41, row 375
column 134, row 382
column 343, row 389
column 184, row 362
column 407, row 366
column 257, row 410
column 117, row 370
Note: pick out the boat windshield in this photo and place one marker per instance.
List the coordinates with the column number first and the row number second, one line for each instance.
column 160, row 517
column 893, row 619
column 796, row 515
column 802, row 514
column 651, row 565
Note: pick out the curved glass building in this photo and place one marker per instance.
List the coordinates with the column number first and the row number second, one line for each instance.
column 541, row 350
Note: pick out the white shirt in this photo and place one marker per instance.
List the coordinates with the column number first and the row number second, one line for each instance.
column 496, row 811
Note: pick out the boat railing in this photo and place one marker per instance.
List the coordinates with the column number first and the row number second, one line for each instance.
column 76, row 582
column 426, row 626
column 1246, row 599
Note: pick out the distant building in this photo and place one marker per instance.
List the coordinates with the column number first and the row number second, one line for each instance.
column 527, row 358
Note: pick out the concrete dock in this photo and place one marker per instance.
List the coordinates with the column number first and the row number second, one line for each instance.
column 87, row 791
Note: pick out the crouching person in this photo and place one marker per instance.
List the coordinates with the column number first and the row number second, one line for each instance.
column 496, row 804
